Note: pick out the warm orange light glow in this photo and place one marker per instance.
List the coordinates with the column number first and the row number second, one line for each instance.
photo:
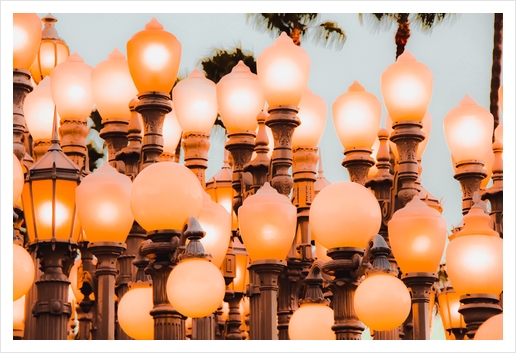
column 195, row 101
column 312, row 114
column 266, row 218
column 18, row 179
column 216, row 222
column 134, row 311
column 283, row 70
column 474, row 256
column 26, row 39
column 321, row 252
column 19, row 314
column 382, row 302
column 73, row 277
column 356, row 116
column 113, row 87
column 196, row 287
column 468, row 129
column 240, row 99
column 406, row 88
column 417, row 235
column 171, row 132
column 499, row 132
column 39, row 111
column 491, row 329
column 449, row 304
column 345, row 214
column 23, row 272
column 71, row 88
column 153, row 55
column 312, row 321
column 103, row 205
column 164, row 195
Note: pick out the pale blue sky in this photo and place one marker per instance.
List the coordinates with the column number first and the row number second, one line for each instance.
column 459, row 54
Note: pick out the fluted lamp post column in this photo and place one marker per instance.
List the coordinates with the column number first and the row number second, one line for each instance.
column 151, row 195
column 153, row 55
column 474, row 263
column 356, row 116
column 345, row 237
column 26, row 40
column 468, row 129
column 52, row 225
column 267, row 222
column 406, row 90
column 283, row 70
column 195, row 103
column 417, row 235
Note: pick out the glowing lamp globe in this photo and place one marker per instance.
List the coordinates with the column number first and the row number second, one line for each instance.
column 19, row 314
column 73, row 277
column 23, row 271
column 18, row 179
column 356, row 116
column 382, row 302
column 164, row 195
column 491, row 329
column 26, row 39
column 345, row 214
column 407, row 88
column 488, row 167
column 498, row 132
column 134, row 311
column 468, row 129
column 283, row 70
column 376, row 145
column 449, row 303
column 171, row 132
column 312, row 321
column 103, row 205
column 153, row 56
column 474, row 256
column 240, row 99
column 196, row 287
column 39, row 111
column 312, row 113
column 417, row 234
column 500, row 98
column 216, row 222
column 113, row 87
column 267, row 218
column 195, row 101
column 71, row 88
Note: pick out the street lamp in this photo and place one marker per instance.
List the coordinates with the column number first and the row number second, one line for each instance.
column 137, row 324
column 452, row 320
column 23, row 272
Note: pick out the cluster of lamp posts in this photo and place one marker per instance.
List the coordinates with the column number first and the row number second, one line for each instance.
column 165, row 230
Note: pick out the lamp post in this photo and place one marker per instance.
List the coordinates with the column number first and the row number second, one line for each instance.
column 453, row 321
column 495, row 193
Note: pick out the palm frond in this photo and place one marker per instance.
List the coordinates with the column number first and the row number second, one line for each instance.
column 329, row 35
column 281, row 22
column 425, row 22
column 221, row 61
column 378, row 22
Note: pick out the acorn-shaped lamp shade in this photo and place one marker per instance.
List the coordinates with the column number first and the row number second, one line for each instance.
column 23, row 271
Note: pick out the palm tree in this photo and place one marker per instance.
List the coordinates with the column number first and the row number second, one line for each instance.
column 298, row 25
column 496, row 69
column 425, row 21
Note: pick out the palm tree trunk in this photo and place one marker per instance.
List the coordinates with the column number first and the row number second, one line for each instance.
column 496, row 68
column 402, row 34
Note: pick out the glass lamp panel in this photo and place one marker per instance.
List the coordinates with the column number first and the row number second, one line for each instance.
column 240, row 99
column 104, row 205
column 382, row 302
column 468, row 129
column 242, row 274
column 71, row 88
column 18, row 179
column 312, row 321
column 171, row 132
column 23, row 271
column 153, row 55
column 267, row 218
column 196, row 287
column 406, row 88
column 195, row 102
column 113, row 87
column 164, row 195
column 134, row 312
column 283, row 69
column 417, row 235
column 216, row 222
column 449, row 305
column 474, row 256
column 26, row 39
column 39, row 111
column 356, row 116
column 312, row 114
column 345, row 214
